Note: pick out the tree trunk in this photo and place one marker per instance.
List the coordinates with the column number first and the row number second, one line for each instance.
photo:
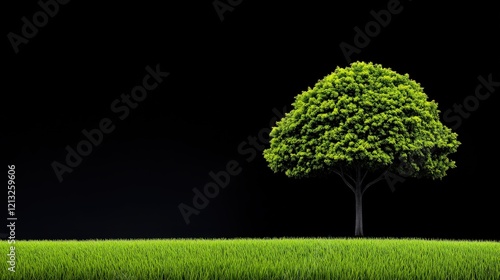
column 359, row 212
column 356, row 186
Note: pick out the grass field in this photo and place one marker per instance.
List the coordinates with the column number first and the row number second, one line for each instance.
column 280, row 258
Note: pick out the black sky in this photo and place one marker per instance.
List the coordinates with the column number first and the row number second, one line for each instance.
column 226, row 77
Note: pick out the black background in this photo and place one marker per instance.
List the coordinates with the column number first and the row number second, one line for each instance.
column 225, row 79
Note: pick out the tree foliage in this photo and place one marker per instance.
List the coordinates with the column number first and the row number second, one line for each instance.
column 363, row 116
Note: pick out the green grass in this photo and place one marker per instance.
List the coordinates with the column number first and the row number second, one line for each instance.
column 286, row 258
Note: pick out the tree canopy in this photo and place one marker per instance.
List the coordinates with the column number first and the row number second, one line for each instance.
column 365, row 117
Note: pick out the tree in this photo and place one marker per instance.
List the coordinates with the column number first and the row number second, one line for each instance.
column 362, row 122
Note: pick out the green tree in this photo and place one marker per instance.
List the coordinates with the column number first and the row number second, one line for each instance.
column 362, row 122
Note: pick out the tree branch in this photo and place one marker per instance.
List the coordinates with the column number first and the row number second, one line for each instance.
column 382, row 176
column 348, row 176
column 364, row 176
column 341, row 174
column 358, row 177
